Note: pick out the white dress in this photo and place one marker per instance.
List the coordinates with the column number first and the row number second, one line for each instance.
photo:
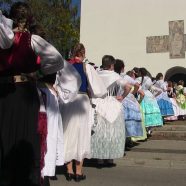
column 78, row 119
column 67, row 85
column 55, row 145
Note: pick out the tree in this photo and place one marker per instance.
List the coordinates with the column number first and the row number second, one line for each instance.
column 60, row 20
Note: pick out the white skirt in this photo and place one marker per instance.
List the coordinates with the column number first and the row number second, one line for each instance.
column 177, row 110
column 55, row 146
column 77, row 119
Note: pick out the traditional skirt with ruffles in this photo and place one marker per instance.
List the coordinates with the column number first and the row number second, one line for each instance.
column 108, row 140
column 151, row 111
column 132, row 116
column 165, row 104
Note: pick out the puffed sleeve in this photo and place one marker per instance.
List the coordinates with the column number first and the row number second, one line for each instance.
column 138, row 80
column 50, row 59
column 120, row 80
column 68, row 82
column 96, row 85
column 6, row 33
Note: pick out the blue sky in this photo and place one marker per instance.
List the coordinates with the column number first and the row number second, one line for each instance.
column 77, row 2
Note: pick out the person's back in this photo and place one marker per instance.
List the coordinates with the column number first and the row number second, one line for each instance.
column 20, row 58
column 19, row 100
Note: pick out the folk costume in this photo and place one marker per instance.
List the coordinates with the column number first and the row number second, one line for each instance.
column 152, row 114
column 108, row 140
column 132, row 113
column 163, row 100
column 19, row 101
column 78, row 115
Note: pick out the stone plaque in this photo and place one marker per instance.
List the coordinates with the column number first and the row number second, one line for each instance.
column 156, row 44
column 176, row 39
column 174, row 43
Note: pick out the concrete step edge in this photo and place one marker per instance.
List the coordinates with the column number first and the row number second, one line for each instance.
column 154, row 131
column 170, row 128
column 171, row 138
column 155, row 155
column 173, row 164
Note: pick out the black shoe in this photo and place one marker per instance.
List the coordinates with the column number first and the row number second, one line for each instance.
column 78, row 178
column 69, row 176
column 53, row 178
column 46, row 181
column 99, row 165
column 110, row 165
column 127, row 149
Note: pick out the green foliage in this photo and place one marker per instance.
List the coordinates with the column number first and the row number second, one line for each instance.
column 59, row 20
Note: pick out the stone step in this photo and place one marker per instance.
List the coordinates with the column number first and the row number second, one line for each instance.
column 154, row 159
column 171, row 128
column 157, row 153
column 179, row 122
column 161, row 145
column 168, row 135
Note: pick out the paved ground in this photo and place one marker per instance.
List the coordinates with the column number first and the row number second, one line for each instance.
column 151, row 163
column 128, row 176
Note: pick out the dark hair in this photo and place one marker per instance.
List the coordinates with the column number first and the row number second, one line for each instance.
column 153, row 79
column 93, row 64
column 107, row 61
column 170, row 83
column 130, row 73
column 136, row 71
column 79, row 50
column 159, row 75
column 143, row 72
column 119, row 64
column 20, row 12
column 181, row 82
column 38, row 30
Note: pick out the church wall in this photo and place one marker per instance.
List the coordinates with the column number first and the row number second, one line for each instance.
column 120, row 28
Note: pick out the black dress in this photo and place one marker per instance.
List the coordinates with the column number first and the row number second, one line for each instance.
column 19, row 107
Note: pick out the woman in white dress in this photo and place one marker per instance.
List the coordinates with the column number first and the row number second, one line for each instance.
column 77, row 116
column 55, row 152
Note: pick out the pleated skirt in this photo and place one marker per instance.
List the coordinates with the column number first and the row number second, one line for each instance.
column 19, row 139
column 77, row 128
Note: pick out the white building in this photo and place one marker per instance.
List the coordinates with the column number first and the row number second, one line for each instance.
column 121, row 27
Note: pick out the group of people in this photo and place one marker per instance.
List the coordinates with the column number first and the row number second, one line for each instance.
column 55, row 112
column 177, row 94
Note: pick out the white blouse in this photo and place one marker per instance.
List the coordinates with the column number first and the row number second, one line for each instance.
column 51, row 60
column 6, row 33
column 147, row 83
